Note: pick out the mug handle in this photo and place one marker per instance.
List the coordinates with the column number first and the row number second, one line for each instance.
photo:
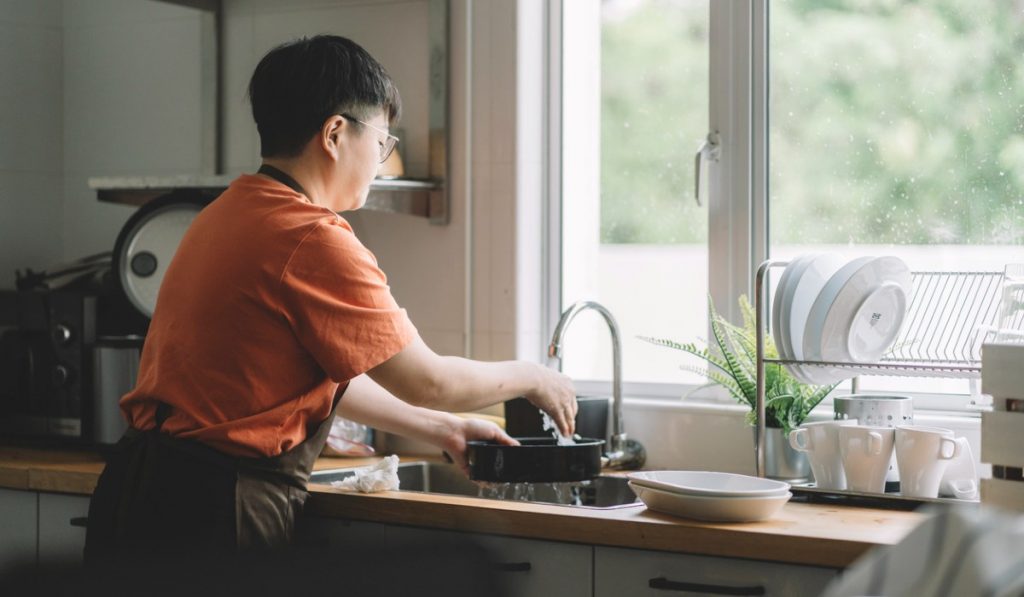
column 954, row 450
column 874, row 443
column 796, row 443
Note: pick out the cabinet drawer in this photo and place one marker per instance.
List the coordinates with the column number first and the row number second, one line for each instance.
column 637, row 572
column 61, row 528
column 529, row 567
column 18, row 515
column 525, row 567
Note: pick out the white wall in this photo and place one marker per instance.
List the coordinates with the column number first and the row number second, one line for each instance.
column 112, row 87
column 131, row 75
column 31, row 168
column 426, row 264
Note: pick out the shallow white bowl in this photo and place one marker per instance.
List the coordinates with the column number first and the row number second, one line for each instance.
column 711, row 509
column 709, row 483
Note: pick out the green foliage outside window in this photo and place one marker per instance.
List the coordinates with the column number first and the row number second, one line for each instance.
column 891, row 121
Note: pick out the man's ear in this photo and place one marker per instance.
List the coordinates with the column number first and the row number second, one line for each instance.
column 330, row 135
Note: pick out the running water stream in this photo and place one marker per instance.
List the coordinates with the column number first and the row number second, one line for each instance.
column 566, row 493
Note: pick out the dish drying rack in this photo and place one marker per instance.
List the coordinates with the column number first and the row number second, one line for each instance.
column 949, row 316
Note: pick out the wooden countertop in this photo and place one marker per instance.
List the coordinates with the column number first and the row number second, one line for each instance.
column 808, row 534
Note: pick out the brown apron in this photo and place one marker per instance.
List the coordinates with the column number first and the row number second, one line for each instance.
column 161, row 495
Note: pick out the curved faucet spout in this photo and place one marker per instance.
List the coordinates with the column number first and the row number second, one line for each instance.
column 623, row 453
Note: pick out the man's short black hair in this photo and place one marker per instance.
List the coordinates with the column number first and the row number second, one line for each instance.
column 299, row 85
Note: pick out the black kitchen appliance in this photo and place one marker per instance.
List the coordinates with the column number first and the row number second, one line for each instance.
column 71, row 337
column 46, row 370
column 68, row 343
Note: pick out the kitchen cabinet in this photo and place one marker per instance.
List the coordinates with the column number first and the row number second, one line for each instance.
column 43, row 528
column 535, row 567
column 62, row 528
column 619, row 571
column 19, row 512
column 531, row 567
column 523, row 567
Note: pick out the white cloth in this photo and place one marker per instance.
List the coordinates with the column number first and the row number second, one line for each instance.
column 957, row 551
column 382, row 476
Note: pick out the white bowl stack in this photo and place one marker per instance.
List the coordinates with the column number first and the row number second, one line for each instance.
column 832, row 309
column 710, row 496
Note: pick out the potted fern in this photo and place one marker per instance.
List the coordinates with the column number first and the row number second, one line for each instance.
column 730, row 361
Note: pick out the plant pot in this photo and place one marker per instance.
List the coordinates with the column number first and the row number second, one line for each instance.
column 781, row 461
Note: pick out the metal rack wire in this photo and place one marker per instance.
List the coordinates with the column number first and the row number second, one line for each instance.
column 949, row 316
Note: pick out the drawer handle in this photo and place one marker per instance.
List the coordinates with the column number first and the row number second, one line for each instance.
column 512, row 567
column 664, row 584
column 80, row 521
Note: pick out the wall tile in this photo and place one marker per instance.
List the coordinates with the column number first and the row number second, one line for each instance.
column 483, row 198
column 89, row 226
column 241, row 145
column 30, row 98
column 108, row 14
column 503, row 254
column 132, row 99
column 376, row 27
column 40, row 13
column 30, row 231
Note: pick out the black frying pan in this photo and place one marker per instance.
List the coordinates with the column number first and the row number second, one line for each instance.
column 536, row 460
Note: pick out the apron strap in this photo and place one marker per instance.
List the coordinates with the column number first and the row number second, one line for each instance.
column 163, row 412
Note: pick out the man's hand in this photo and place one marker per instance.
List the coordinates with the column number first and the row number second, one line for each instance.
column 555, row 395
column 467, row 430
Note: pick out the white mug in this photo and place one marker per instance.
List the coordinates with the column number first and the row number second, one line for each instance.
column 820, row 441
column 922, row 453
column 866, row 452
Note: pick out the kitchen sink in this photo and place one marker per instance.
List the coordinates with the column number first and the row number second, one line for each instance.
column 602, row 492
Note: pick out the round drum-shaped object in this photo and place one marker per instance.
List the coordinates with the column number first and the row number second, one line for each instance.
column 147, row 244
column 535, row 460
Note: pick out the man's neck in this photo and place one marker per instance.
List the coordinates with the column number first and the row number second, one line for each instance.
column 303, row 174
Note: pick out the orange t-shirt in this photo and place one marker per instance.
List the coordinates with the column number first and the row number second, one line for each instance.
column 268, row 305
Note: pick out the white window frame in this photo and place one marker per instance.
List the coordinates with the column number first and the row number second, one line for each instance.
column 738, row 217
column 737, row 240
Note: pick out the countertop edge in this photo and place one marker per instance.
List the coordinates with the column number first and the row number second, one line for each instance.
column 781, row 540
column 633, row 527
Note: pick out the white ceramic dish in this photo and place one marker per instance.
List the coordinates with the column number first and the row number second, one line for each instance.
column 804, row 291
column 860, row 311
column 709, row 483
column 711, row 509
column 961, row 478
column 783, row 306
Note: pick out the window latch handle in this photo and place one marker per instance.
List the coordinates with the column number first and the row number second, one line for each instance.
column 710, row 150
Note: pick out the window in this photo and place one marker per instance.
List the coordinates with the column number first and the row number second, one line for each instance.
column 878, row 128
column 898, row 128
column 635, row 104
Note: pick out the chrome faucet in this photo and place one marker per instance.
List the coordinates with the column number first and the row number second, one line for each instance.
column 623, row 453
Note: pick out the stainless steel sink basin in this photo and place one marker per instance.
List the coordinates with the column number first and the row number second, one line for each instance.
column 603, row 492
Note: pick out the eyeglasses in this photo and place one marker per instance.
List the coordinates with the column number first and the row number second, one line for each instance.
column 386, row 146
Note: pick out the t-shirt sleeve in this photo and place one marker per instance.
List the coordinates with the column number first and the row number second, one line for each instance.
column 339, row 305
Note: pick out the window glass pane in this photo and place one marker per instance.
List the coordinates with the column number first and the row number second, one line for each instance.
column 635, row 89
column 898, row 128
column 898, row 125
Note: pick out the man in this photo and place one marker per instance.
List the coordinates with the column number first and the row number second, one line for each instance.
column 271, row 318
